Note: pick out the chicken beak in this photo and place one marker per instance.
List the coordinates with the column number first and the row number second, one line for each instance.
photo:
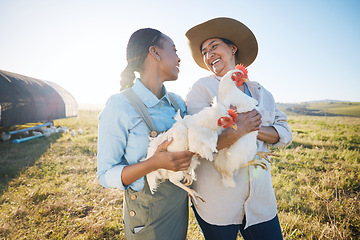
column 234, row 126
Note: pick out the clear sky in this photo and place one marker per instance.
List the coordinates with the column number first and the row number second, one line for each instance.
column 308, row 50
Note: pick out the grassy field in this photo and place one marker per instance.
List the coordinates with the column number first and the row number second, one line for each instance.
column 340, row 108
column 329, row 108
column 49, row 190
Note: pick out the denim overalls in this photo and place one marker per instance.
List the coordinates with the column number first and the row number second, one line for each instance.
column 162, row 215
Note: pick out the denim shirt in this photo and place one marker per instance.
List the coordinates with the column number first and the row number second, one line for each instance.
column 123, row 138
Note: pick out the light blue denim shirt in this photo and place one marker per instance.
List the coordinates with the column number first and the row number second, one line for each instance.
column 123, row 138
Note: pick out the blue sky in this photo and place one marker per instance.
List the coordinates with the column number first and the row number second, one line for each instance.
column 308, row 50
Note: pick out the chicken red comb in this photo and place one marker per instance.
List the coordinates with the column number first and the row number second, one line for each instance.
column 242, row 68
column 233, row 114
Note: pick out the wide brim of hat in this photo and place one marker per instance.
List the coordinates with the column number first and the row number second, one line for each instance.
column 227, row 28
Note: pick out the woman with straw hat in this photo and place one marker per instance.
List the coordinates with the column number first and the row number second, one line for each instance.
column 250, row 207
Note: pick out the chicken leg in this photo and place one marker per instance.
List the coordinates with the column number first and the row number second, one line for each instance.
column 256, row 163
column 191, row 192
column 266, row 155
column 259, row 162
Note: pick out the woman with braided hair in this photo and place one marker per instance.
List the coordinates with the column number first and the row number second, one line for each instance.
column 124, row 137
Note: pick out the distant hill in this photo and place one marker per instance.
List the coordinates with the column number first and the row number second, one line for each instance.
column 322, row 108
column 324, row 101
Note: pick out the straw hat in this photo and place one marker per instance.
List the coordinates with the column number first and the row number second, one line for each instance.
column 229, row 29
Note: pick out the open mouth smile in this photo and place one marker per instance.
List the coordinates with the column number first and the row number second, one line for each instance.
column 213, row 63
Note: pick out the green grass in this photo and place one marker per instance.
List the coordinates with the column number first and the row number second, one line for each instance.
column 49, row 188
column 317, row 179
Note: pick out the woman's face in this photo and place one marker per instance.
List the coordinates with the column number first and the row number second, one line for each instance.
column 169, row 60
column 218, row 56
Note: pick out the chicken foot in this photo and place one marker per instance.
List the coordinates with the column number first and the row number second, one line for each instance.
column 260, row 162
column 256, row 163
column 193, row 194
column 266, row 155
column 188, row 180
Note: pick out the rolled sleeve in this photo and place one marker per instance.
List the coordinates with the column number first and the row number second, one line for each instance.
column 111, row 178
column 281, row 125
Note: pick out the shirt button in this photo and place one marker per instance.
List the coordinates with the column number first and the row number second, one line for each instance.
column 132, row 213
column 133, row 197
column 160, row 106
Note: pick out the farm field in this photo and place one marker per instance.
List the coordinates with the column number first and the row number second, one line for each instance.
column 322, row 108
column 49, row 189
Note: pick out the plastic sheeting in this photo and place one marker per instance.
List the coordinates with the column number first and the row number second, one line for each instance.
column 28, row 100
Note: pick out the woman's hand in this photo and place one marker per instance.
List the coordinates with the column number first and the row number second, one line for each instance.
column 246, row 123
column 174, row 161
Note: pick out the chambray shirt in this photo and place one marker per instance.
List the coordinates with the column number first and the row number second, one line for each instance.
column 123, row 138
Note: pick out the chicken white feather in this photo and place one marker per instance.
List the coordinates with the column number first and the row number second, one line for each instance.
column 180, row 143
column 204, row 128
column 241, row 153
column 197, row 133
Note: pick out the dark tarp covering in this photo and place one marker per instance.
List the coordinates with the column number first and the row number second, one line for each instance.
column 29, row 100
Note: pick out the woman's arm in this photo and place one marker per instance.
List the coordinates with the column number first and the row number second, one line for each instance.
column 282, row 128
column 246, row 123
column 268, row 135
column 175, row 161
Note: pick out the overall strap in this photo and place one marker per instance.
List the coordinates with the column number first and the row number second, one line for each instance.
column 141, row 109
column 175, row 105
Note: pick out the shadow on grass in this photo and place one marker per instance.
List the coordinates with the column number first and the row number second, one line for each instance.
column 15, row 158
column 330, row 147
column 294, row 145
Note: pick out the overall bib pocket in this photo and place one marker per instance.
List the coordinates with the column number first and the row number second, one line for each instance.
column 149, row 216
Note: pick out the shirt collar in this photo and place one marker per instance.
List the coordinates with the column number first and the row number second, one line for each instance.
column 146, row 96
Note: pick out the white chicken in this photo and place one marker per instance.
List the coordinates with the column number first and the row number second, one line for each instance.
column 186, row 134
column 242, row 153
column 205, row 126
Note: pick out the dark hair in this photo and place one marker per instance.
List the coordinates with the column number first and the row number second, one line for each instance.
column 136, row 53
column 229, row 43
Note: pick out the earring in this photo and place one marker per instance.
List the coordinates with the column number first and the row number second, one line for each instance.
column 158, row 58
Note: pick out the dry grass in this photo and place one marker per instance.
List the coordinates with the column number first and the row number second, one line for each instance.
column 317, row 179
column 49, row 188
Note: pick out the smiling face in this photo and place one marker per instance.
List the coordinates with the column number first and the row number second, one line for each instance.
column 218, row 56
column 169, row 60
